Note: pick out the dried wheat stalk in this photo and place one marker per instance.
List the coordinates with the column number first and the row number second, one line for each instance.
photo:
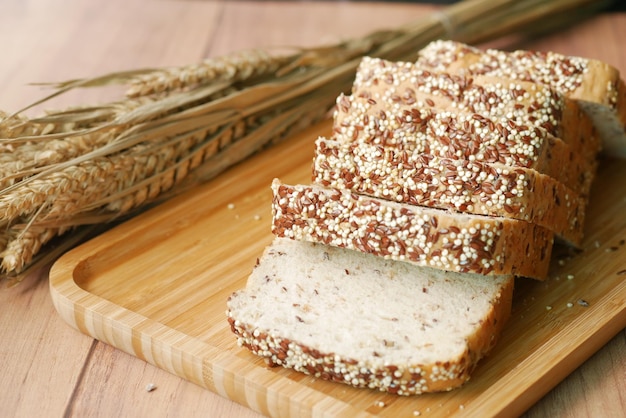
column 177, row 127
column 239, row 66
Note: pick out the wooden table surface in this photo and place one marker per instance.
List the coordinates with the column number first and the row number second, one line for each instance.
column 50, row 369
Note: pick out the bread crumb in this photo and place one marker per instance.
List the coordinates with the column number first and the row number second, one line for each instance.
column 231, row 206
column 150, row 387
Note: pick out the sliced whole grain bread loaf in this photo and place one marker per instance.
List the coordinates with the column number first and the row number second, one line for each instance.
column 595, row 85
column 462, row 185
column 358, row 319
column 423, row 236
column 499, row 99
column 463, row 136
column 435, row 186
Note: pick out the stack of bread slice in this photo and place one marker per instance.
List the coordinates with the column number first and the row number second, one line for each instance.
column 447, row 148
column 394, row 269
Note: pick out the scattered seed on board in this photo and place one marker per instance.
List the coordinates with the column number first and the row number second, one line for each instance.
column 231, row 206
column 583, row 302
column 257, row 217
column 150, row 387
column 570, row 304
column 380, row 404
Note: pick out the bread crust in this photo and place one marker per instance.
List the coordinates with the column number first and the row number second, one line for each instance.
column 466, row 186
column 423, row 236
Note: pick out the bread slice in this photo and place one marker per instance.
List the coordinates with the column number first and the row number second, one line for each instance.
column 424, row 236
column 462, row 185
column 457, row 135
column 499, row 99
column 594, row 84
column 360, row 320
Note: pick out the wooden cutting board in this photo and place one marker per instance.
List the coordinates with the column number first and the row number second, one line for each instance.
column 156, row 287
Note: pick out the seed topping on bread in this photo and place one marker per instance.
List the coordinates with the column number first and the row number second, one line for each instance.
column 461, row 185
column 454, row 135
column 418, row 231
column 594, row 86
column 424, row 236
column 562, row 72
column 503, row 102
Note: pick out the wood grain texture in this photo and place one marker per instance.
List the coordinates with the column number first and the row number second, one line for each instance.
column 48, row 365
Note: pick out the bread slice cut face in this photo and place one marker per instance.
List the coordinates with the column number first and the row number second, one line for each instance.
column 361, row 320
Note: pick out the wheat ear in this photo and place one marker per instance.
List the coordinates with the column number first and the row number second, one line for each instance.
column 233, row 68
